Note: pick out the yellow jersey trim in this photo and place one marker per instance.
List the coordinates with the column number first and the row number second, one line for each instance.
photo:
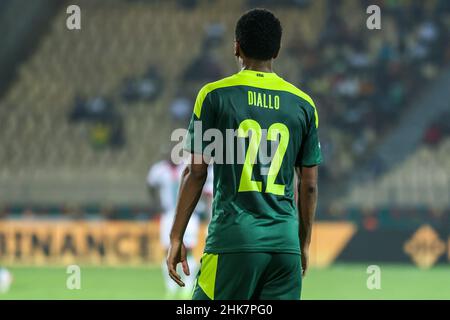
column 257, row 79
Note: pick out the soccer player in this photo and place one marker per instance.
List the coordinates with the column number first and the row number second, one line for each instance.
column 258, row 238
column 163, row 181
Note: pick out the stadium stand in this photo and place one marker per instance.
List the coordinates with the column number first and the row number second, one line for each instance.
column 362, row 81
column 422, row 180
column 48, row 159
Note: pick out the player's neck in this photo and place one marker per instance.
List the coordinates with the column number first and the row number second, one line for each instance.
column 257, row 65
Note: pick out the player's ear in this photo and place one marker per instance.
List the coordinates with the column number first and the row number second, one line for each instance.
column 276, row 53
column 237, row 49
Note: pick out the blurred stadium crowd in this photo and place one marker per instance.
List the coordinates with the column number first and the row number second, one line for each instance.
column 88, row 111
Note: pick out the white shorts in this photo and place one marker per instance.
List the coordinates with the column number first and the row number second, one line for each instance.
column 190, row 236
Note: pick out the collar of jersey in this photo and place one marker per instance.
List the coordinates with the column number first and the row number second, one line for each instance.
column 253, row 73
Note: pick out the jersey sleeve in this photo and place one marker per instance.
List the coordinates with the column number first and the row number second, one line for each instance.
column 310, row 153
column 202, row 119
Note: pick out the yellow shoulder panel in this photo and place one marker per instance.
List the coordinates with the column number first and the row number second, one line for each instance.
column 226, row 82
column 275, row 83
column 294, row 90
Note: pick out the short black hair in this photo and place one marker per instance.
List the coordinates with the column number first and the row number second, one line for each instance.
column 258, row 32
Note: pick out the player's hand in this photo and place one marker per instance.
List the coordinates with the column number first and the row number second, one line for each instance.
column 305, row 258
column 177, row 254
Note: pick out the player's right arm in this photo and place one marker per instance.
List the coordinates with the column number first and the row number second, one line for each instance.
column 307, row 189
column 309, row 157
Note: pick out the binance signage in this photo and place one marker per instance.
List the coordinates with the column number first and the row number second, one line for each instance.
column 328, row 241
column 425, row 247
column 124, row 242
column 58, row 242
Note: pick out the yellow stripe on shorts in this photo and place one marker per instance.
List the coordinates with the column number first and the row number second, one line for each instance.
column 207, row 278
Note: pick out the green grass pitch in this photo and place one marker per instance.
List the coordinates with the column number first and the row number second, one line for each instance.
column 341, row 281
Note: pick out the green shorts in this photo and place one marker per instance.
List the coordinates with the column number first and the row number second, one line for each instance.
column 249, row 276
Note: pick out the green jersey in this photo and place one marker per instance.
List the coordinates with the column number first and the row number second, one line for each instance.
column 275, row 129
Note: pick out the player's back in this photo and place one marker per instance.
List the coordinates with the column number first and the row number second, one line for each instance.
column 275, row 129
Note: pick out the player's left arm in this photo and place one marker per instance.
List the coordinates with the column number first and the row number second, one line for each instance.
column 192, row 181
column 191, row 186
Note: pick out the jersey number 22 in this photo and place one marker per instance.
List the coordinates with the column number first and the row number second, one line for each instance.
column 246, row 183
